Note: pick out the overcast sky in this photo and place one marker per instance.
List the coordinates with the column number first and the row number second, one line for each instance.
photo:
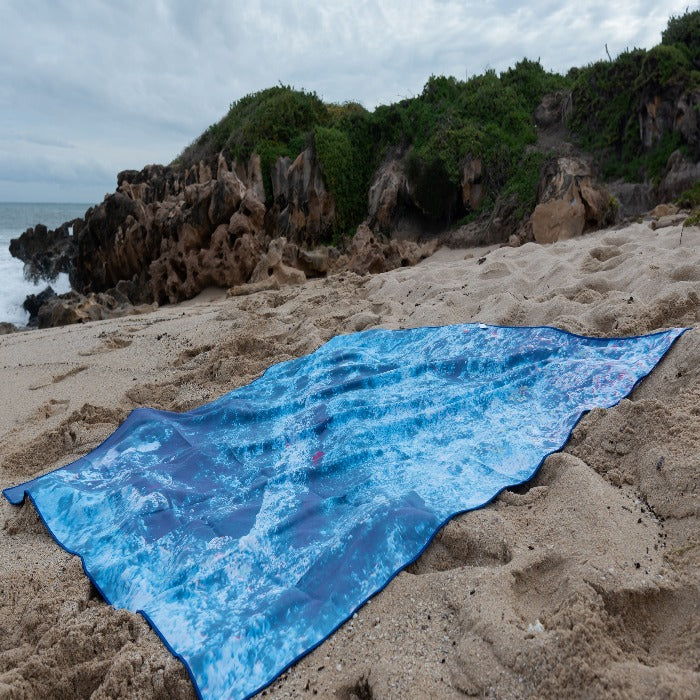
column 91, row 88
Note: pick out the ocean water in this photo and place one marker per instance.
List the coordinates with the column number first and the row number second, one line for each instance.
column 16, row 218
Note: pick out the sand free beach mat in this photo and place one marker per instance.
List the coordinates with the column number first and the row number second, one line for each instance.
column 248, row 529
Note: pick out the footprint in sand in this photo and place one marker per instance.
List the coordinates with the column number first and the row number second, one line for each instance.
column 59, row 377
column 54, row 407
column 110, row 343
column 188, row 355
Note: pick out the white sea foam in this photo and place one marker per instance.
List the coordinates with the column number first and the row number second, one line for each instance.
column 14, row 287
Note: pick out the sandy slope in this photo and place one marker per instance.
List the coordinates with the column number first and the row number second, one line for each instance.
column 584, row 583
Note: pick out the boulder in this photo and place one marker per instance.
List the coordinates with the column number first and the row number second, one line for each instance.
column 634, row 198
column 6, row 328
column 368, row 253
column 559, row 218
column 570, row 201
column 73, row 307
column 272, row 269
column 679, row 175
column 34, row 302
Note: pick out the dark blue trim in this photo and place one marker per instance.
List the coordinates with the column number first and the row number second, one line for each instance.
column 113, row 437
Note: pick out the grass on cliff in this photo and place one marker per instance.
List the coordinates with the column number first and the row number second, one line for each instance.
column 488, row 117
column 608, row 95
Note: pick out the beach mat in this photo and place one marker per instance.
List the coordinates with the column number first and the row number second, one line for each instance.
column 247, row 530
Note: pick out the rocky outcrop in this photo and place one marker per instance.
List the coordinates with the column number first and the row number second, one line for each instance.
column 45, row 253
column 173, row 233
column 33, row 303
column 66, row 309
column 369, row 253
column 6, row 328
column 303, row 210
column 387, row 191
column 570, row 201
column 679, row 175
column 394, row 199
column 633, row 198
column 672, row 110
column 165, row 235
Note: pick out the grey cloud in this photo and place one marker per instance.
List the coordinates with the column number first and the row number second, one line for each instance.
column 132, row 82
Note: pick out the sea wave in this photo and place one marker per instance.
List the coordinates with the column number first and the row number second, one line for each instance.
column 14, row 286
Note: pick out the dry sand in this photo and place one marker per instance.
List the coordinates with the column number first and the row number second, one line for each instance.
column 583, row 583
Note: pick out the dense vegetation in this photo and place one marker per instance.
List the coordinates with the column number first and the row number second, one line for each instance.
column 607, row 96
column 488, row 117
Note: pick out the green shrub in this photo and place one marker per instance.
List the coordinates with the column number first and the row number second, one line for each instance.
column 488, row 116
column 523, row 183
column 684, row 30
column 693, row 219
column 336, row 156
column 608, row 95
column 690, row 199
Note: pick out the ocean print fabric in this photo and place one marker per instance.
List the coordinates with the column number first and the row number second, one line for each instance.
column 248, row 529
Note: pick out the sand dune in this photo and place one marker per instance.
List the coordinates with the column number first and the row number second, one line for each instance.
column 584, row 582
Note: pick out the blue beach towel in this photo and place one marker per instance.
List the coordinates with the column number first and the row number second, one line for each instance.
column 247, row 530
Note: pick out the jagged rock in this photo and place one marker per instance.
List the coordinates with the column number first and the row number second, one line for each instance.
column 227, row 194
column 503, row 222
column 671, row 110
column 679, row 175
column 665, row 209
column 314, row 263
column 389, row 186
column 303, row 209
column 45, row 253
column 255, row 178
column 6, row 328
column 168, row 233
column 73, row 307
column 366, row 253
column 34, row 302
column 115, row 243
column 402, row 200
column 271, row 266
column 570, row 201
column 687, row 118
column 369, row 254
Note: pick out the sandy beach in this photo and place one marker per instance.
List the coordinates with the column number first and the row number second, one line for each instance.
column 583, row 583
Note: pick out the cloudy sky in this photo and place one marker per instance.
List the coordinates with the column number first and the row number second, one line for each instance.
column 91, row 88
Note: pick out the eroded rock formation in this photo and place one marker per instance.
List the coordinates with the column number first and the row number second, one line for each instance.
column 569, row 201
column 45, row 253
column 303, row 210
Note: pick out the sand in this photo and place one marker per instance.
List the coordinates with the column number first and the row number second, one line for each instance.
column 583, row 583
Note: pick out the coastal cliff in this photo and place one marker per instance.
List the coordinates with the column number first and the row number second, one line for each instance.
column 527, row 155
